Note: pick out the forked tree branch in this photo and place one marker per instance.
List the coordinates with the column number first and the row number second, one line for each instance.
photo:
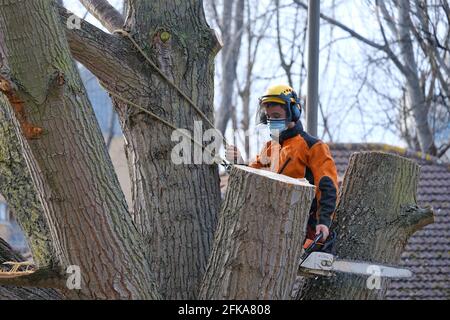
column 107, row 56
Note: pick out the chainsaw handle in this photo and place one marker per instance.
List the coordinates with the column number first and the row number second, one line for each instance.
column 314, row 243
column 311, row 247
column 318, row 238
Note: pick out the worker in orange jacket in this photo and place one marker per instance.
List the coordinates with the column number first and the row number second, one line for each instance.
column 296, row 154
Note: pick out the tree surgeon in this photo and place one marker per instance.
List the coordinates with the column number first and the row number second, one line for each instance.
column 296, row 154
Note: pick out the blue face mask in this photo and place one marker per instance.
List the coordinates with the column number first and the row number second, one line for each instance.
column 276, row 127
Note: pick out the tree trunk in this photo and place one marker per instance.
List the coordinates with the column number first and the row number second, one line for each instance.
column 177, row 211
column 17, row 187
column 86, row 211
column 414, row 89
column 376, row 215
column 259, row 238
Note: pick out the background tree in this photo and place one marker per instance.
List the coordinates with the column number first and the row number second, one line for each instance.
column 228, row 16
column 413, row 37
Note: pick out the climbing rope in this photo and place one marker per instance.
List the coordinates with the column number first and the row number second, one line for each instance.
column 154, row 66
column 217, row 159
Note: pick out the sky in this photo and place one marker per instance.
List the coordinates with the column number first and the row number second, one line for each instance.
column 345, row 56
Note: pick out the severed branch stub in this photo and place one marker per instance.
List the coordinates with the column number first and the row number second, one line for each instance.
column 376, row 215
column 258, row 242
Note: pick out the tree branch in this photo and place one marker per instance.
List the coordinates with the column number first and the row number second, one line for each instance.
column 12, row 292
column 403, row 69
column 48, row 278
column 105, row 13
column 385, row 48
column 415, row 217
column 110, row 58
column 353, row 33
column 443, row 150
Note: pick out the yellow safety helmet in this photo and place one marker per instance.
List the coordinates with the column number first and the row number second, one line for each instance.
column 284, row 95
column 275, row 93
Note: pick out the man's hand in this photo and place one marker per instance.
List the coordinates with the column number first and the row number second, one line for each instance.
column 324, row 229
column 233, row 155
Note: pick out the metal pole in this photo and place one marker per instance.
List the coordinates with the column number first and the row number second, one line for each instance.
column 312, row 100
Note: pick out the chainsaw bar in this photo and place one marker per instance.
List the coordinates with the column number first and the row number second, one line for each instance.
column 368, row 269
column 325, row 264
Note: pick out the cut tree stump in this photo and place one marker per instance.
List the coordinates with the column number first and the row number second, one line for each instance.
column 259, row 238
column 377, row 213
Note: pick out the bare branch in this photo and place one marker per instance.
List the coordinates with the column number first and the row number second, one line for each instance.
column 385, row 48
column 403, row 69
column 105, row 13
column 107, row 56
column 284, row 64
column 443, row 150
column 345, row 28
column 42, row 278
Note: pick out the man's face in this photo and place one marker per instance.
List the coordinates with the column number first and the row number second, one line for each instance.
column 275, row 111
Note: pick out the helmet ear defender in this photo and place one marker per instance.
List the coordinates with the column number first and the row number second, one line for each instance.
column 296, row 108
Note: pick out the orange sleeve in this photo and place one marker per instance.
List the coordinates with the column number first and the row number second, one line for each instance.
column 325, row 179
column 263, row 158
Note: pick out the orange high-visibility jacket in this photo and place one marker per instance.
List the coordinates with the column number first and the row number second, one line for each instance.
column 300, row 155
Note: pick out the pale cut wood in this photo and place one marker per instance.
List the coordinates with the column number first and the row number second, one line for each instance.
column 259, row 238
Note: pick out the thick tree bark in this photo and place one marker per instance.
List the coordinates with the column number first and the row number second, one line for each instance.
column 17, row 187
column 177, row 211
column 377, row 213
column 64, row 149
column 259, row 238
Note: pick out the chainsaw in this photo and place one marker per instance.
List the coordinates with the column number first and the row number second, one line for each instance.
column 315, row 262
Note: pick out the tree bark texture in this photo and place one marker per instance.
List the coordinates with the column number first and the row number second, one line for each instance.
column 85, row 208
column 376, row 215
column 17, row 188
column 259, row 238
column 176, row 212
column 104, row 12
column 175, row 206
